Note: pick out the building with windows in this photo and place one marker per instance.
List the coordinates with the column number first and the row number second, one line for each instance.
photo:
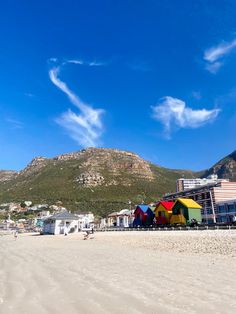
column 208, row 196
column 226, row 211
column 183, row 184
column 124, row 218
column 61, row 223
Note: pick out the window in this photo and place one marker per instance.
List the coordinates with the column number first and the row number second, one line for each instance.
column 222, row 219
column 231, row 208
column 221, row 209
column 208, row 203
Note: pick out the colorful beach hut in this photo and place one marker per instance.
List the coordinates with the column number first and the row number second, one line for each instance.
column 184, row 210
column 163, row 212
column 150, row 215
column 143, row 215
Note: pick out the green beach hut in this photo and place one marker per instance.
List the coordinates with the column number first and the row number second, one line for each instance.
column 184, row 210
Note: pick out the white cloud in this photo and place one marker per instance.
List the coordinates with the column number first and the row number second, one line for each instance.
column 80, row 62
column 96, row 64
column 216, row 53
column 79, row 129
column 214, row 67
column 75, row 61
column 84, row 127
column 16, row 124
column 172, row 112
column 53, row 59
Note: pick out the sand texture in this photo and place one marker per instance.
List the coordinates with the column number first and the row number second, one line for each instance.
column 119, row 272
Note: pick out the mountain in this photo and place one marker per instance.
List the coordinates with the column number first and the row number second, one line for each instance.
column 6, row 175
column 94, row 179
column 98, row 180
column 225, row 168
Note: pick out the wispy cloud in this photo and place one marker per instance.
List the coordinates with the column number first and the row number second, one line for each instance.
column 173, row 112
column 75, row 61
column 214, row 67
column 84, row 127
column 15, row 124
column 215, row 55
column 197, row 95
column 81, row 62
column 53, row 59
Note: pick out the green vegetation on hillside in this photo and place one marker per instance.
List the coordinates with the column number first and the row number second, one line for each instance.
column 57, row 181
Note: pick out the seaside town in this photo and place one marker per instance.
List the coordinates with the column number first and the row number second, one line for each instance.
column 207, row 201
column 118, row 157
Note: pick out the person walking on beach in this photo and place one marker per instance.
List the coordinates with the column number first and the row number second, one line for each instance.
column 65, row 231
column 15, row 234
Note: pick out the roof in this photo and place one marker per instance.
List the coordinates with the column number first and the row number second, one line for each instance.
column 64, row 216
column 188, row 202
column 125, row 212
column 199, row 188
column 144, row 208
column 166, row 205
column 152, row 208
column 112, row 214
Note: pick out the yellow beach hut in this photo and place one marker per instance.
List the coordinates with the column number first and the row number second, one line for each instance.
column 163, row 212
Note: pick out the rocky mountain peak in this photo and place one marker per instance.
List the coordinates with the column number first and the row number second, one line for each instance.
column 6, row 175
column 93, row 162
column 225, row 168
column 36, row 164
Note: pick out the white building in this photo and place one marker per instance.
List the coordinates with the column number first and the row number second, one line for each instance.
column 123, row 219
column 183, row 184
column 61, row 223
column 85, row 221
column 28, row 203
column 44, row 213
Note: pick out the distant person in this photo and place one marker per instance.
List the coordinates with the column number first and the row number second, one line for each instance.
column 15, row 234
column 65, row 231
column 86, row 235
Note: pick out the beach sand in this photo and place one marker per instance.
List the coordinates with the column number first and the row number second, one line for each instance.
column 119, row 272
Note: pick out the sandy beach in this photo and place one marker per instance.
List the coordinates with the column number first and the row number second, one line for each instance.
column 119, row 272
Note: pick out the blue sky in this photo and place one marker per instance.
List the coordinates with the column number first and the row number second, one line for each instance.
column 153, row 77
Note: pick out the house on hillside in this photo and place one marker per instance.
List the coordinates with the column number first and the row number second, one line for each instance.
column 61, row 223
column 184, row 210
column 163, row 212
column 143, row 215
